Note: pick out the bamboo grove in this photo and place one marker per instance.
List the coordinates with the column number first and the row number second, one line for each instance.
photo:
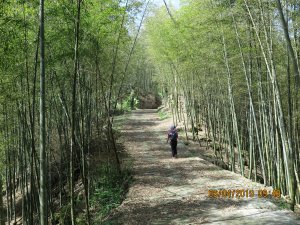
column 85, row 53
column 233, row 67
column 67, row 67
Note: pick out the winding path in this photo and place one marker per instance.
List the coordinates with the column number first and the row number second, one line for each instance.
column 175, row 191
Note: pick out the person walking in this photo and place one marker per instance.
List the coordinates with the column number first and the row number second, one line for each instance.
column 173, row 136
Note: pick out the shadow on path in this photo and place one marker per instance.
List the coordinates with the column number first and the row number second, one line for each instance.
column 175, row 191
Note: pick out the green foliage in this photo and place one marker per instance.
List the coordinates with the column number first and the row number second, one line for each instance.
column 282, row 204
column 163, row 115
column 107, row 197
column 63, row 216
column 135, row 103
column 81, row 219
column 127, row 104
column 161, row 95
column 110, row 189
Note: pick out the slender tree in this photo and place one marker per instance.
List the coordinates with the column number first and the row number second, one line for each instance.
column 43, row 160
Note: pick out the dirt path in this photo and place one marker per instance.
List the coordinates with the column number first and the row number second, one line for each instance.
column 175, row 191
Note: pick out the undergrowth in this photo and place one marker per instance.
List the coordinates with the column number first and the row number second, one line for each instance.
column 109, row 191
column 128, row 104
column 163, row 115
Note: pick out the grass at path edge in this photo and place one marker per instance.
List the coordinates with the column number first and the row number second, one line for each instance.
column 111, row 187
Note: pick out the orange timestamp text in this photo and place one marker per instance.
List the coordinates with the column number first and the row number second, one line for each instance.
column 243, row 193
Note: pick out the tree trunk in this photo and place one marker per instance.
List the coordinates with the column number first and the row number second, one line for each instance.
column 43, row 160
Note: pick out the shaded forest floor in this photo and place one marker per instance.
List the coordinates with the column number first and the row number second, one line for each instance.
column 175, row 191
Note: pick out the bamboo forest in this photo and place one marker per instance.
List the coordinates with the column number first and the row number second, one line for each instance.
column 141, row 112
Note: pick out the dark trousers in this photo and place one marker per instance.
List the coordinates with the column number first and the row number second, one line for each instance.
column 174, row 148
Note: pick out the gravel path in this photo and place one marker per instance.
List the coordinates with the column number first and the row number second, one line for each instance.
column 175, row 191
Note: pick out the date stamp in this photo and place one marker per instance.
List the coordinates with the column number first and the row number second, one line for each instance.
column 243, row 193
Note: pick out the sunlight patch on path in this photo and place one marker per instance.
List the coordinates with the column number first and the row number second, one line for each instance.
column 175, row 191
